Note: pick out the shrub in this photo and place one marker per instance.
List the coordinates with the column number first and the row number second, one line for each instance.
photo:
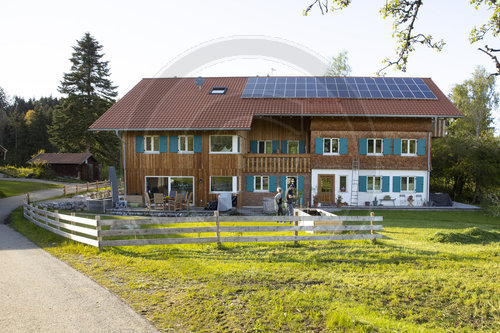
column 491, row 203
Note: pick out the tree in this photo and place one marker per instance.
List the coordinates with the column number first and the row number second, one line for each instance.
column 404, row 14
column 339, row 65
column 90, row 93
column 4, row 119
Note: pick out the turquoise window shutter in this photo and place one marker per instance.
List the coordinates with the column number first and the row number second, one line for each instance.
column 253, row 146
column 385, row 183
column 387, row 146
column 302, row 147
column 272, row 183
column 197, row 143
column 397, row 146
column 396, row 184
column 318, row 146
column 139, row 144
column 421, row 147
column 250, row 184
column 163, row 144
column 283, row 183
column 343, row 146
column 300, row 185
column 173, row 143
column 276, row 146
column 420, row 184
column 362, row 146
column 362, row 184
column 284, row 146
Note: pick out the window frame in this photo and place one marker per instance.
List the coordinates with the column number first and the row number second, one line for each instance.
column 289, row 144
column 186, row 138
column 261, row 189
column 406, row 181
column 375, row 153
column 234, row 185
column 267, row 144
column 408, row 145
column 331, row 145
column 340, row 184
column 153, row 138
column 373, row 178
column 235, row 145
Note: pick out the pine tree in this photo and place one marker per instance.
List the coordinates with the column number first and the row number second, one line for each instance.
column 90, row 93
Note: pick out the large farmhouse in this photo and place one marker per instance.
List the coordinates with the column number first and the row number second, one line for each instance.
column 359, row 138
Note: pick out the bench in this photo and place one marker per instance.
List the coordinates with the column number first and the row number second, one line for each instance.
column 393, row 201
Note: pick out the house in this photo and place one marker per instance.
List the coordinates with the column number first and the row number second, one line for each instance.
column 362, row 138
column 81, row 166
column 3, row 153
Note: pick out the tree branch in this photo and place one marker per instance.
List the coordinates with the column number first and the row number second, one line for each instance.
column 489, row 51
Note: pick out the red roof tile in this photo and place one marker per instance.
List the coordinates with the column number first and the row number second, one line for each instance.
column 60, row 158
column 177, row 103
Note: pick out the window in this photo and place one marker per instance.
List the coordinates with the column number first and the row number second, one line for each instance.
column 223, row 184
column 261, row 183
column 374, row 146
column 408, row 147
column 293, row 147
column 407, row 184
column 343, row 183
column 218, row 91
column 373, row 183
column 167, row 184
column 330, row 146
column 264, row 147
column 186, row 143
column 151, row 144
column 224, row 144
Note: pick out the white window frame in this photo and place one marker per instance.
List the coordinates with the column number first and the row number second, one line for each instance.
column 405, row 181
column 331, row 141
column 267, row 144
column 186, row 139
column 407, row 142
column 374, row 153
column 169, row 181
column 235, row 145
column 373, row 178
column 261, row 189
column 234, row 185
column 346, row 179
column 288, row 146
column 151, row 148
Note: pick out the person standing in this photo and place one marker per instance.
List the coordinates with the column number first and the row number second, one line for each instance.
column 278, row 202
column 290, row 198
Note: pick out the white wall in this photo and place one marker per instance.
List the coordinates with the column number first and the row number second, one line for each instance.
column 401, row 197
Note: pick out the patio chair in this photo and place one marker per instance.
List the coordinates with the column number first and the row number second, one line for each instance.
column 147, row 201
column 402, row 200
column 186, row 203
column 158, row 200
column 176, row 204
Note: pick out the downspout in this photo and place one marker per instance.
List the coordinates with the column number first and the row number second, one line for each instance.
column 429, row 160
column 124, row 160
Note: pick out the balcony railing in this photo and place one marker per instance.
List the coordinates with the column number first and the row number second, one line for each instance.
column 277, row 163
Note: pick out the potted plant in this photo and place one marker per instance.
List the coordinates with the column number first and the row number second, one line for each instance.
column 339, row 201
column 316, row 200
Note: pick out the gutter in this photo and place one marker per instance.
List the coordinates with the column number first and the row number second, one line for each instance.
column 124, row 146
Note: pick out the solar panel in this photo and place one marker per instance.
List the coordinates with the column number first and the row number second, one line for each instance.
column 337, row 87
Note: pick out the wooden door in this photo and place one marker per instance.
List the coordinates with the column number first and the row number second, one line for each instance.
column 326, row 189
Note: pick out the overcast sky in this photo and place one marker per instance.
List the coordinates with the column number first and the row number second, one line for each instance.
column 140, row 37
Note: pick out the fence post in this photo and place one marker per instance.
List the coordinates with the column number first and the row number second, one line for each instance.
column 217, row 229
column 99, row 236
column 72, row 222
column 87, row 186
column 28, row 197
column 56, row 219
column 295, row 233
column 46, row 220
column 371, row 222
column 76, row 189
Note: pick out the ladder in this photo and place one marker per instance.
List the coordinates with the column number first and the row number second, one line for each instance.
column 355, row 182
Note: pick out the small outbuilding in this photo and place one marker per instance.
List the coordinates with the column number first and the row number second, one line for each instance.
column 81, row 166
column 3, row 153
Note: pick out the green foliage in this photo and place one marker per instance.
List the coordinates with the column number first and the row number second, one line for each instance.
column 402, row 283
column 339, row 65
column 37, row 170
column 2, row 195
column 473, row 235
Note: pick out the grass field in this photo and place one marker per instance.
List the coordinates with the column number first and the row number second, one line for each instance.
column 11, row 188
column 433, row 271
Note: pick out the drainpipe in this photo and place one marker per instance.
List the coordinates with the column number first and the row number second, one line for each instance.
column 429, row 162
column 124, row 160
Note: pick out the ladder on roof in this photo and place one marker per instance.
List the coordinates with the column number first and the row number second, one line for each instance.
column 355, row 182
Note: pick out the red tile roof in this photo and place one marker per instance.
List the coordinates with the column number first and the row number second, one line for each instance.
column 177, row 103
column 61, row 158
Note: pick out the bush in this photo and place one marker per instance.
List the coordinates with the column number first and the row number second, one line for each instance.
column 491, row 203
column 2, row 195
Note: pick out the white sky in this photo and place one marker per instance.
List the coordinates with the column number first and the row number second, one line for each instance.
column 140, row 37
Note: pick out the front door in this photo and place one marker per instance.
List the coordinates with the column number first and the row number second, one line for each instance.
column 326, row 189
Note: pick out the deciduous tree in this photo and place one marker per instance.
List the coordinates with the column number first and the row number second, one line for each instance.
column 339, row 65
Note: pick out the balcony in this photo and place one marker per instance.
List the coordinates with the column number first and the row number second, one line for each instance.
column 277, row 163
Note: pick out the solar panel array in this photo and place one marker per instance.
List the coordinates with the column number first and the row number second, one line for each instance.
column 337, row 87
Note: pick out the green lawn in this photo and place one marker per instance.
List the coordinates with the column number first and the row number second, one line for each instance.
column 431, row 272
column 9, row 188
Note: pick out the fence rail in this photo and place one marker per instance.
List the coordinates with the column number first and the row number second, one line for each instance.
column 215, row 229
column 77, row 188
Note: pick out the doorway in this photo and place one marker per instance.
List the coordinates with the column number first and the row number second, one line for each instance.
column 326, row 189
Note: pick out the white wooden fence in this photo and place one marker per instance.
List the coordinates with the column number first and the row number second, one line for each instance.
column 217, row 229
